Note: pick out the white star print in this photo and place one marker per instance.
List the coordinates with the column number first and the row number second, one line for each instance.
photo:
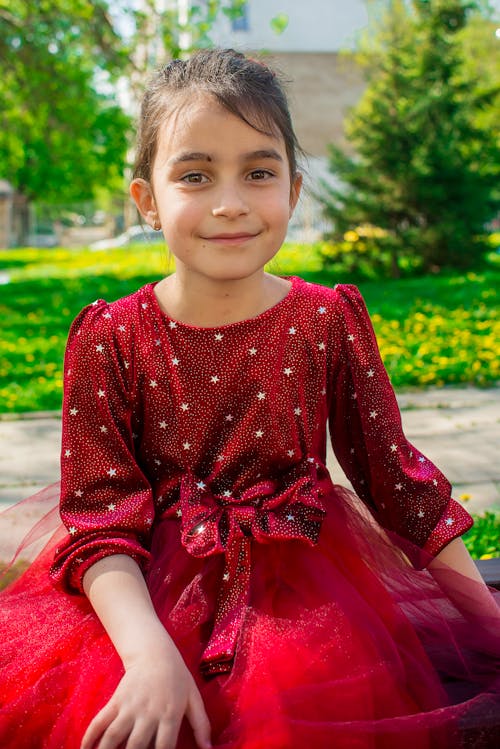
column 226, row 493
column 178, row 513
column 67, row 453
column 220, row 458
column 103, row 429
column 373, row 414
column 185, row 406
column 421, row 514
column 111, row 507
column 292, row 331
column 72, row 530
column 78, row 493
column 352, row 450
column 434, row 482
column 214, row 379
column 219, row 336
column 323, row 392
column 398, row 487
column 144, row 305
column 394, row 448
column 186, row 445
column 94, row 304
column 121, row 328
column 172, row 324
column 321, row 346
column 290, row 517
column 261, row 396
column 297, row 411
column 287, row 371
column 73, row 411
column 351, row 337
column 99, row 348
column 449, row 521
column 127, row 364
column 201, row 485
column 259, row 433
column 229, row 417
column 421, row 459
column 163, row 424
column 158, row 342
column 252, row 351
column 101, row 393
column 107, row 315
column 321, row 310
column 225, row 576
column 153, row 383
column 175, row 361
column 370, row 373
column 291, row 453
column 111, row 472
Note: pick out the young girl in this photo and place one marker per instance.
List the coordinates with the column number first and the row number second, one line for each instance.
column 212, row 585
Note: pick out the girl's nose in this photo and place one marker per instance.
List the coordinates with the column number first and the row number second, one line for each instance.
column 230, row 203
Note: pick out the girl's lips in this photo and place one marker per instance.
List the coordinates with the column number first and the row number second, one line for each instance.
column 230, row 238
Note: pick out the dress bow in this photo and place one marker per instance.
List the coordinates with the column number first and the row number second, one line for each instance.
column 285, row 509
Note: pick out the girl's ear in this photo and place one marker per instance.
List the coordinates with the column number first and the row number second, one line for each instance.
column 142, row 195
column 295, row 191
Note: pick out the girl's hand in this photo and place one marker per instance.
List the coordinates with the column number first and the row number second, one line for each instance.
column 147, row 708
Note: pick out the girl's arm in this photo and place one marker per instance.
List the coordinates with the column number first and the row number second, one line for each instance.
column 471, row 600
column 157, row 688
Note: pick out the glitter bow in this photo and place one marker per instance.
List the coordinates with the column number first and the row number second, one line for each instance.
column 288, row 509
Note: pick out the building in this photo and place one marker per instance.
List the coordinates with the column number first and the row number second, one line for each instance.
column 324, row 82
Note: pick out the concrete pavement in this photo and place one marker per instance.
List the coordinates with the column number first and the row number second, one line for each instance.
column 456, row 428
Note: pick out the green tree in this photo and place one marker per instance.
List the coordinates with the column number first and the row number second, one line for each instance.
column 424, row 161
column 60, row 139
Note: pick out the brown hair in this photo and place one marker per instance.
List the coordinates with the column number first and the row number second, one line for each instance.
column 244, row 86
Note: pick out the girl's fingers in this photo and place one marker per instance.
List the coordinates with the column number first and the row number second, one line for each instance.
column 167, row 735
column 97, row 727
column 141, row 736
column 198, row 718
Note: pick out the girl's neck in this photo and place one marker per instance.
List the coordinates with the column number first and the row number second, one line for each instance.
column 209, row 304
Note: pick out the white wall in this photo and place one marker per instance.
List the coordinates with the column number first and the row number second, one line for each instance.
column 314, row 26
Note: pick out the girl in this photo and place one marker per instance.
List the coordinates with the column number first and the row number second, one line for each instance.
column 212, row 585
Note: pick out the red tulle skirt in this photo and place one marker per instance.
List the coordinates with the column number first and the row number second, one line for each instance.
column 343, row 645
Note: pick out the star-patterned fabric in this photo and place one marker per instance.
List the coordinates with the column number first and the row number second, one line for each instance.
column 200, row 452
column 149, row 400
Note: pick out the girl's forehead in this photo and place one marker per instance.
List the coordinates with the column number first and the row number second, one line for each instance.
column 204, row 124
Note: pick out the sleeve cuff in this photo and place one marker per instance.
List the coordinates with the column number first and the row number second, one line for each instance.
column 454, row 522
column 68, row 570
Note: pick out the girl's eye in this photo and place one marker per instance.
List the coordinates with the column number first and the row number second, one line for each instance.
column 194, row 178
column 260, row 174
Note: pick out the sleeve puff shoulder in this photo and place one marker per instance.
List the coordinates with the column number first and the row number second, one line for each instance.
column 106, row 501
column 402, row 488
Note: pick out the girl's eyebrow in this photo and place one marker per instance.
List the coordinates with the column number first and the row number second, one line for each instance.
column 265, row 153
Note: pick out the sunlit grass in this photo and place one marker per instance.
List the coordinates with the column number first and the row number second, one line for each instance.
column 432, row 331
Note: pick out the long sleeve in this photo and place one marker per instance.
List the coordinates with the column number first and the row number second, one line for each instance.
column 106, row 501
column 404, row 491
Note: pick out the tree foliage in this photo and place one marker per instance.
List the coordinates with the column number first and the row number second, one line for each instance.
column 426, row 164
column 62, row 138
column 59, row 137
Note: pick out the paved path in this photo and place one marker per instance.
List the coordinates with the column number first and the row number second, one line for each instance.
column 458, row 429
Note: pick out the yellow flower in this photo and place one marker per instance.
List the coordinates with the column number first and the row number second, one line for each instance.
column 464, row 497
column 487, row 556
column 351, row 236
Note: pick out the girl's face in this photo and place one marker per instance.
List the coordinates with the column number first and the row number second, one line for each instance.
column 221, row 190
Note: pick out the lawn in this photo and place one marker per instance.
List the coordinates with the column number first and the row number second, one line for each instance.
column 432, row 330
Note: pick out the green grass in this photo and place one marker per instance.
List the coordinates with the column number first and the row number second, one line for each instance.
column 432, row 330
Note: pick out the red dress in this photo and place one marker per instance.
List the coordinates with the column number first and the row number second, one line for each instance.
column 201, row 453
